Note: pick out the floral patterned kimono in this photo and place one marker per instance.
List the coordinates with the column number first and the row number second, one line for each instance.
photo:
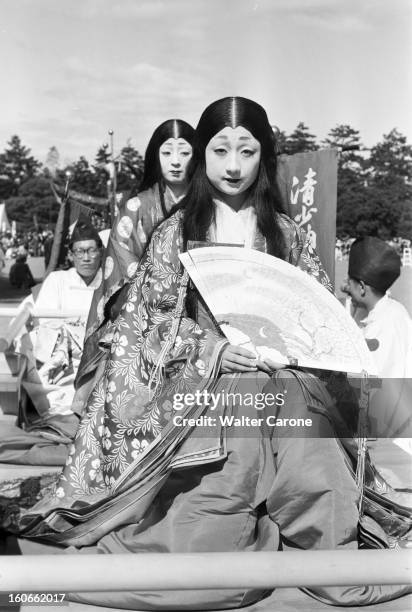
column 132, row 230
column 135, row 483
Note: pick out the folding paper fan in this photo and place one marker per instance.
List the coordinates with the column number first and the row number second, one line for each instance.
column 282, row 313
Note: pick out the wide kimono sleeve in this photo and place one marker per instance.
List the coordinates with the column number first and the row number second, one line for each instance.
column 129, row 410
column 126, row 245
column 155, row 344
column 156, row 352
column 131, row 231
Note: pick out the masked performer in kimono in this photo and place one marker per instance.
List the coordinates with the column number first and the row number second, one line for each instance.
column 163, row 185
column 140, row 477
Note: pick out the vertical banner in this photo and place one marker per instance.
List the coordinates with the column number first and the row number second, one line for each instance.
column 308, row 185
column 69, row 213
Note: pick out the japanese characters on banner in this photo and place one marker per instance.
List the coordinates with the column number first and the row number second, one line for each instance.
column 308, row 185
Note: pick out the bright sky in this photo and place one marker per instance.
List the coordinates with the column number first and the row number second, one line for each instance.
column 70, row 71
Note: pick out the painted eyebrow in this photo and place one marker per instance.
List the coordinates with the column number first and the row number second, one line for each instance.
column 223, row 137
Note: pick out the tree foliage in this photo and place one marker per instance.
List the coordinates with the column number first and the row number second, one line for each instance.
column 352, row 196
column 34, row 197
column 300, row 140
column 16, row 166
column 390, row 180
column 130, row 171
column 391, row 161
column 374, row 187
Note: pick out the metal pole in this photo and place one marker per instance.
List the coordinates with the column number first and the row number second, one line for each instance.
column 113, row 179
column 122, row 572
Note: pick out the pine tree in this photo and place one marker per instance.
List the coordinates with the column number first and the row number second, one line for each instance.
column 34, row 198
column 352, row 194
column 300, row 140
column 130, row 169
column 404, row 225
column 81, row 176
column 390, row 174
column 16, row 166
column 101, row 174
column 391, row 160
column 348, row 140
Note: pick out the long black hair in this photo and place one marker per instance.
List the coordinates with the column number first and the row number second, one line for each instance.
column 172, row 128
column 198, row 203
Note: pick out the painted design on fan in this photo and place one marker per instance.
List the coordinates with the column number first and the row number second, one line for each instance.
column 277, row 310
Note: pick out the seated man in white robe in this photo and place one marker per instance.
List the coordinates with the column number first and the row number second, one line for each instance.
column 46, row 423
column 373, row 268
column 56, row 344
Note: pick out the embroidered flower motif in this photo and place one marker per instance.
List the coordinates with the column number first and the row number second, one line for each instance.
column 109, row 481
column 139, row 446
column 106, row 438
column 201, row 367
column 96, row 472
column 118, row 343
column 167, row 408
column 59, row 492
column 131, row 269
column 111, row 388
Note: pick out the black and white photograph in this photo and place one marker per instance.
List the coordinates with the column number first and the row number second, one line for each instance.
column 206, row 305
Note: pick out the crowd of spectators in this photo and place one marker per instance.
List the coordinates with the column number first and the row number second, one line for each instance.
column 343, row 246
column 31, row 244
column 38, row 244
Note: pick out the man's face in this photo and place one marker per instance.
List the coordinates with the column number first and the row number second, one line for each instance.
column 174, row 157
column 232, row 161
column 87, row 258
column 354, row 289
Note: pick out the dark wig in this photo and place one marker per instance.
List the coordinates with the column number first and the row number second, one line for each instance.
column 264, row 193
column 172, row 128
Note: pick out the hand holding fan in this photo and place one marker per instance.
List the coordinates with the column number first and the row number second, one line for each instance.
column 275, row 309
